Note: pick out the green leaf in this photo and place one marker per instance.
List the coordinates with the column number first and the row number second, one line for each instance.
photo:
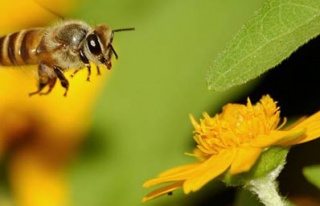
column 312, row 174
column 276, row 31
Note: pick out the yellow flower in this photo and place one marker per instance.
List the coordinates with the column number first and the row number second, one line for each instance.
column 39, row 134
column 232, row 142
column 27, row 13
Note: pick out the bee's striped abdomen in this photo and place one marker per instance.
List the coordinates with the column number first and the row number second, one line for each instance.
column 20, row 48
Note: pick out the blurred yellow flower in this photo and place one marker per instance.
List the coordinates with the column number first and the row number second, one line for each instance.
column 232, row 142
column 39, row 134
column 24, row 14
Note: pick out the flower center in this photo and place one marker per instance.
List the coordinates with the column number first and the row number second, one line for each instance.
column 236, row 126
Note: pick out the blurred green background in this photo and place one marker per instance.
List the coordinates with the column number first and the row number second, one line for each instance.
column 141, row 125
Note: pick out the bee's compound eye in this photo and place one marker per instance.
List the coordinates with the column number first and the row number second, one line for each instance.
column 93, row 44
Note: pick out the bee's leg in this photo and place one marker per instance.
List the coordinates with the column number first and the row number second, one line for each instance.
column 51, row 84
column 89, row 72
column 86, row 62
column 75, row 72
column 64, row 82
column 46, row 77
column 98, row 70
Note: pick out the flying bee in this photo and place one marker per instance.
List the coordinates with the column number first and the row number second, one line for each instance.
column 68, row 44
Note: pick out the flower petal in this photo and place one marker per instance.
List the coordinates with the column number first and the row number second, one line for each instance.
column 36, row 182
column 209, row 169
column 175, row 174
column 180, row 170
column 244, row 159
column 162, row 191
column 278, row 138
column 312, row 127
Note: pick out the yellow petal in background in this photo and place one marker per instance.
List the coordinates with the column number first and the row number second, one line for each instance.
column 40, row 133
column 23, row 14
column 37, row 182
column 51, row 127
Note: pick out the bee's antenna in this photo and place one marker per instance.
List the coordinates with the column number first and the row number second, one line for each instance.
column 118, row 30
column 114, row 51
column 124, row 29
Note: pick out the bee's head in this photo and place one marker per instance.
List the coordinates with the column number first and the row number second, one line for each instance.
column 98, row 46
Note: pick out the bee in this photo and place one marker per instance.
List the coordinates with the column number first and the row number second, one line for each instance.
column 68, row 44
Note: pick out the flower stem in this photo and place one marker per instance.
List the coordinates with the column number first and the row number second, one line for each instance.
column 266, row 188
